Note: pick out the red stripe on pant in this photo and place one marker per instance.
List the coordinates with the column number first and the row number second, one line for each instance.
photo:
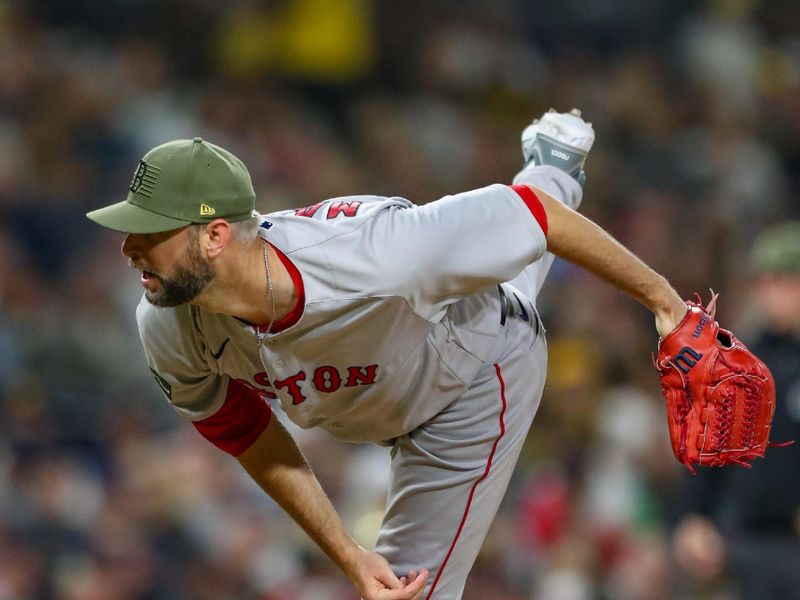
column 475, row 485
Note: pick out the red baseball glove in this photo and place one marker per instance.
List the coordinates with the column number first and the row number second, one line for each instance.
column 720, row 396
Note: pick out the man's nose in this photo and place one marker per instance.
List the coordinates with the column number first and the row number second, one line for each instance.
column 130, row 246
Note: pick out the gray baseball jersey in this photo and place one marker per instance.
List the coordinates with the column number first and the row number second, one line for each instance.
column 399, row 311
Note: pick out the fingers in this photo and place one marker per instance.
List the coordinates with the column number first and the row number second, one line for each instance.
column 390, row 580
column 412, row 587
column 417, row 585
column 412, row 575
column 376, row 580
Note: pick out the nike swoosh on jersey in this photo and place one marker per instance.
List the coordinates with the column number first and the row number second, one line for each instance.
column 219, row 352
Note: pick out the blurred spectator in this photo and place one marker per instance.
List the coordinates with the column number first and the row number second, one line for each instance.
column 748, row 522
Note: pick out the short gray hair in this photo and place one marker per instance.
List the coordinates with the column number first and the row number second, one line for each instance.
column 245, row 231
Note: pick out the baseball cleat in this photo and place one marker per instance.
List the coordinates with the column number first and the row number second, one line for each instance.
column 560, row 140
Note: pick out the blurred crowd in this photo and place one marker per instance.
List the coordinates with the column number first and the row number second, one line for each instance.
column 105, row 494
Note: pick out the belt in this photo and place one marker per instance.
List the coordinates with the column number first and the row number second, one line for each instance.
column 512, row 305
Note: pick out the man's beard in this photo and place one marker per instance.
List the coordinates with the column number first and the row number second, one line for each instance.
column 192, row 275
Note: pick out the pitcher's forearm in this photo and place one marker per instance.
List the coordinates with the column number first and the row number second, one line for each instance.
column 580, row 241
column 275, row 462
column 278, row 466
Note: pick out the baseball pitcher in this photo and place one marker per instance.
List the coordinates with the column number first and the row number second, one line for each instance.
column 376, row 320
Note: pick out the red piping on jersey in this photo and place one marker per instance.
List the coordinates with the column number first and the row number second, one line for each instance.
column 240, row 420
column 297, row 279
column 533, row 203
column 475, row 485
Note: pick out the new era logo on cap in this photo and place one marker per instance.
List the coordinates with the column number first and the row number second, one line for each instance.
column 206, row 210
column 144, row 179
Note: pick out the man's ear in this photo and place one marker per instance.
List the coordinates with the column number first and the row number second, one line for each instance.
column 217, row 236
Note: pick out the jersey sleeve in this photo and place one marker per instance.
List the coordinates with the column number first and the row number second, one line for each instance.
column 228, row 413
column 443, row 251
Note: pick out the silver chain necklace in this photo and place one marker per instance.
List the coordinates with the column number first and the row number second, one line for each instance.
column 261, row 333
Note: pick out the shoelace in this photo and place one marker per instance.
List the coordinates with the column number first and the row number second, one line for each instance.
column 725, row 415
column 752, row 393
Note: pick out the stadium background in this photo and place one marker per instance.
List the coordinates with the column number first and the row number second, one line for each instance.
column 106, row 495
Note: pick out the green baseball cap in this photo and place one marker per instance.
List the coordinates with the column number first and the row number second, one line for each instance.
column 777, row 249
column 179, row 183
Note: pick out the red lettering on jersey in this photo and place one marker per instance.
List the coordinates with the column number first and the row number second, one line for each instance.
column 291, row 383
column 361, row 375
column 262, row 379
column 348, row 208
column 308, row 211
column 327, row 379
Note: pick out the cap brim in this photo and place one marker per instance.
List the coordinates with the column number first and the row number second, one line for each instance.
column 129, row 218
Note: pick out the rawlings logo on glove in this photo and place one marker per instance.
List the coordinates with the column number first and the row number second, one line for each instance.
column 720, row 396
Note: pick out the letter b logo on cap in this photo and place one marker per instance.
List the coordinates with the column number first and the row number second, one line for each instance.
column 144, row 179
